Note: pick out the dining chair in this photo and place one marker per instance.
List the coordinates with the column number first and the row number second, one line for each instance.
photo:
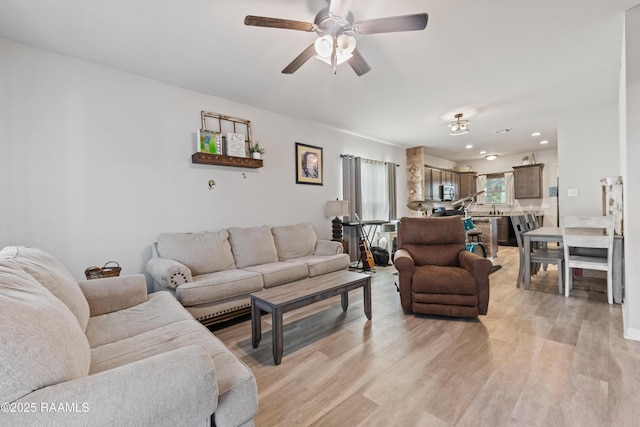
column 530, row 222
column 587, row 232
column 539, row 254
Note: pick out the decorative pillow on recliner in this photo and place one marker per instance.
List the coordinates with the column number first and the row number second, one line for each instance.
column 252, row 246
column 51, row 274
column 203, row 253
column 294, row 241
column 41, row 342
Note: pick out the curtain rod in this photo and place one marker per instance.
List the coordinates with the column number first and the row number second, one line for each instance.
column 351, row 155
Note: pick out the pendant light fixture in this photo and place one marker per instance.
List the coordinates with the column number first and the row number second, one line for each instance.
column 458, row 126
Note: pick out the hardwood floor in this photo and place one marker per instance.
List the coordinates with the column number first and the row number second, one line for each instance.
column 536, row 359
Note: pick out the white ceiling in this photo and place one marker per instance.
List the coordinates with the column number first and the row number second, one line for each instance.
column 503, row 63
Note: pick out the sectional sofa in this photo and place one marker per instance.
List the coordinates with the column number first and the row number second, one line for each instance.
column 212, row 274
column 104, row 353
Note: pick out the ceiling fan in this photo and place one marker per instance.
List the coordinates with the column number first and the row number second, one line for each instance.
column 336, row 29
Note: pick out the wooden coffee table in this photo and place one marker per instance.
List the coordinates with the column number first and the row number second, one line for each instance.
column 288, row 297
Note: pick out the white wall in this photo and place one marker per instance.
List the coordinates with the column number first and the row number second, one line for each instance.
column 588, row 151
column 95, row 162
column 631, row 172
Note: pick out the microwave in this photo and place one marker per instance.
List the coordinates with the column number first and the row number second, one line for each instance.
column 447, row 193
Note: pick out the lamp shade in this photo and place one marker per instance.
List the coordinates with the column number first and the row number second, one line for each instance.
column 337, row 208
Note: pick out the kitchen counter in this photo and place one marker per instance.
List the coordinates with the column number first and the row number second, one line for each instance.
column 489, row 227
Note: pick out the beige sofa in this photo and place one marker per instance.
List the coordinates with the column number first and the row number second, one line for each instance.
column 104, row 353
column 213, row 273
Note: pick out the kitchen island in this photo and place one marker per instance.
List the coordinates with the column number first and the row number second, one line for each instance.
column 489, row 227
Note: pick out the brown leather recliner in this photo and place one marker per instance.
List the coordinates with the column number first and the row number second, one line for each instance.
column 437, row 274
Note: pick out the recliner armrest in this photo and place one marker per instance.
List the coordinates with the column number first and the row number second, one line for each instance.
column 168, row 272
column 177, row 388
column 476, row 265
column 404, row 263
column 480, row 268
column 111, row 294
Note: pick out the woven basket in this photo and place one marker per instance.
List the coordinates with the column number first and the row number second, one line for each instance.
column 104, row 271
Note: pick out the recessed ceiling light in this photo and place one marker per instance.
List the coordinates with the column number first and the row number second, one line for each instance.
column 505, row 130
column 468, row 146
column 544, row 142
column 491, row 157
column 483, row 152
column 536, row 134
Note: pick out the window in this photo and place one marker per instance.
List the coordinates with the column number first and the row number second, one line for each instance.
column 375, row 200
column 495, row 190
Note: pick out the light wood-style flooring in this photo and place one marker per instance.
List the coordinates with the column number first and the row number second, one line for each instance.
column 536, row 359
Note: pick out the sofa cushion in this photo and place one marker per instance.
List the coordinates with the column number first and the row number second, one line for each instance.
column 319, row 265
column 294, row 241
column 203, row 253
column 237, row 401
column 160, row 309
column 252, row 246
column 218, row 286
column 279, row 273
column 51, row 274
column 41, row 342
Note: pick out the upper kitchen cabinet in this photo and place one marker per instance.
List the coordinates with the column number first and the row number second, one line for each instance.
column 527, row 181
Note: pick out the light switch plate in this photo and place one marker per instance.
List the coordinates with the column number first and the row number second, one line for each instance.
column 573, row 192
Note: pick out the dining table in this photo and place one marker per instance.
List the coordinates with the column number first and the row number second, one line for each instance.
column 551, row 234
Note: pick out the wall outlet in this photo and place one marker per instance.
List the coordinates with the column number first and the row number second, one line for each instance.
column 573, row 192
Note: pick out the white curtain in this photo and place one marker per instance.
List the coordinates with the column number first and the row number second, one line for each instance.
column 375, row 196
column 508, row 187
column 481, row 185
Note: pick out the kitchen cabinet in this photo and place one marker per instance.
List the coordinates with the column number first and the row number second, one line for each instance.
column 527, row 181
column 436, row 181
column 503, row 230
column 467, row 184
column 428, row 189
column 464, row 183
column 447, row 178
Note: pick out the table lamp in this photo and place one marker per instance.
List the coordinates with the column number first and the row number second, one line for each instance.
column 337, row 208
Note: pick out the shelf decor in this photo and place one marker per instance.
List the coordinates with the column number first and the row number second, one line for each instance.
column 230, row 150
column 236, row 145
column 209, row 141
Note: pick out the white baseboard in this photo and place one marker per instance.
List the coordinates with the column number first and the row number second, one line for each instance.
column 629, row 333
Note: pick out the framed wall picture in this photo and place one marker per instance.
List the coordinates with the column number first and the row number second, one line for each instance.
column 209, row 141
column 308, row 164
column 236, row 144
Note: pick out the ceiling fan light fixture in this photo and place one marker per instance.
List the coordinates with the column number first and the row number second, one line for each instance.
column 324, row 46
column 344, row 46
column 459, row 126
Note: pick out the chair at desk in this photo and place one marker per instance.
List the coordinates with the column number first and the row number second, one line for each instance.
column 539, row 254
column 589, row 235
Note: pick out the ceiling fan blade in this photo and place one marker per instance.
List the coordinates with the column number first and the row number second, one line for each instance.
column 261, row 21
column 392, row 24
column 358, row 63
column 340, row 8
column 306, row 54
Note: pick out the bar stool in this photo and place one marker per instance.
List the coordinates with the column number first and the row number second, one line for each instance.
column 473, row 234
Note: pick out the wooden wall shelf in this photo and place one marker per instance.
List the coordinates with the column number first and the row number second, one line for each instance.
column 216, row 159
